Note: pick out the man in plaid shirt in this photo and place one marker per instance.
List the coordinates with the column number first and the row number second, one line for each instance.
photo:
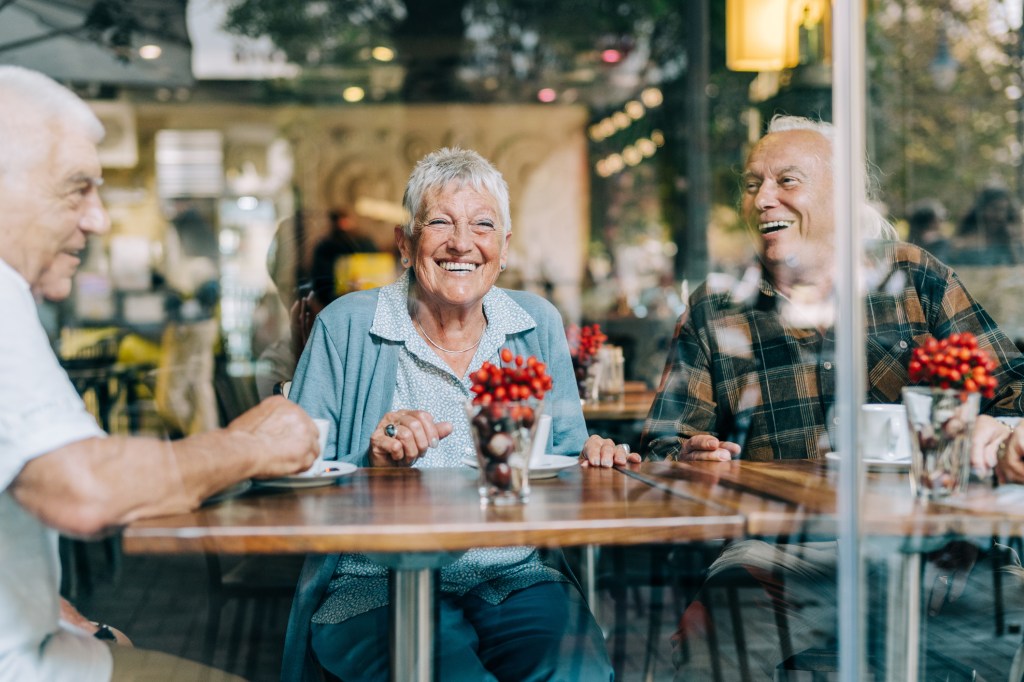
column 750, row 374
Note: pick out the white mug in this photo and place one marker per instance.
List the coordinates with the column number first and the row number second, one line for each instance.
column 884, row 433
column 323, row 427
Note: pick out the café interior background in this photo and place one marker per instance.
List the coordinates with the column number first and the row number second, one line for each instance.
column 619, row 126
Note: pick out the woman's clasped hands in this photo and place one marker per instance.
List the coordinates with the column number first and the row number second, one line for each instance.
column 403, row 436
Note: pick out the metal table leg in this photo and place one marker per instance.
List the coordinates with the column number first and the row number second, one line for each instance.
column 903, row 618
column 412, row 624
column 589, row 581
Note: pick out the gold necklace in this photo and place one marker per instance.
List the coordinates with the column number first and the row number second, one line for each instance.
column 441, row 348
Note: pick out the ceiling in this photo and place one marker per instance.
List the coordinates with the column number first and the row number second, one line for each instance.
column 95, row 43
column 482, row 51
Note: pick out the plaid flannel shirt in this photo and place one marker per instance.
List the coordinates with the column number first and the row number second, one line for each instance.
column 743, row 367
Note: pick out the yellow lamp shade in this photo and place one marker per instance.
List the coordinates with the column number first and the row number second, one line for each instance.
column 772, row 35
column 757, row 35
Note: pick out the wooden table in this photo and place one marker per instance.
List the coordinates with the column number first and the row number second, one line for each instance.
column 424, row 514
column 797, row 499
column 431, row 512
column 633, row 406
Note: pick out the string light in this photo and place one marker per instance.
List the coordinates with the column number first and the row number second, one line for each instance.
column 652, row 97
column 353, row 94
column 632, row 111
column 646, row 147
column 642, row 147
column 150, row 51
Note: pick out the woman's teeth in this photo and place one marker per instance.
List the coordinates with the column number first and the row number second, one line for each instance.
column 458, row 267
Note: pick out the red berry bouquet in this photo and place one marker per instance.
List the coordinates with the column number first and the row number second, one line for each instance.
column 584, row 343
column 503, row 416
column 955, row 363
column 954, row 373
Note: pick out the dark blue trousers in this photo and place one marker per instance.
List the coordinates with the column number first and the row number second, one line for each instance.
column 544, row 632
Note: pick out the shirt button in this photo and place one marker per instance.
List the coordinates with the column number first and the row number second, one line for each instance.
column 827, row 365
column 903, row 345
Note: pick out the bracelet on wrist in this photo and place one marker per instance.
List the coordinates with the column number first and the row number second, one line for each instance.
column 104, row 632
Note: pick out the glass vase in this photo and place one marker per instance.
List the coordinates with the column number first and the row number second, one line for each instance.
column 941, row 426
column 503, row 434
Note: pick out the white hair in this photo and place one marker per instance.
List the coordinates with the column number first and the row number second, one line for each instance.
column 33, row 109
column 875, row 225
column 463, row 166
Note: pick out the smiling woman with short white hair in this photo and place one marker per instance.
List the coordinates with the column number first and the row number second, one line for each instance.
column 390, row 369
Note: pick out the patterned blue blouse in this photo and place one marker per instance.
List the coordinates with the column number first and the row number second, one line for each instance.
column 425, row 382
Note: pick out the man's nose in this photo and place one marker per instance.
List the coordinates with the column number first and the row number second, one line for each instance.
column 765, row 197
column 95, row 218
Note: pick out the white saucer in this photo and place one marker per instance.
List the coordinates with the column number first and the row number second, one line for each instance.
column 547, row 467
column 334, row 471
column 891, row 465
column 550, row 465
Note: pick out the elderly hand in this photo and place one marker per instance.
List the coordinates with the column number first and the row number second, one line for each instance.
column 704, row 446
column 404, row 436
column 1010, row 459
column 287, row 439
column 603, row 452
column 989, row 433
column 69, row 614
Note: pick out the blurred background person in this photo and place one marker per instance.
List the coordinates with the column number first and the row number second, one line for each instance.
column 989, row 234
column 924, row 228
column 300, row 300
column 185, row 395
column 343, row 240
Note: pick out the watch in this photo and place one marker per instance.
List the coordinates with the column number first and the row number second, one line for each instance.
column 104, row 632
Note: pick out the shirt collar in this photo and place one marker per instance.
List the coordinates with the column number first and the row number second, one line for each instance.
column 14, row 274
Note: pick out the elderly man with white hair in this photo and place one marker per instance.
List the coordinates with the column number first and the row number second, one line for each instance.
column 751, row 375
column 58, row 471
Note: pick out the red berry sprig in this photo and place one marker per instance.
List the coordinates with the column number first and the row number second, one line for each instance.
column 584, row 343
column 515, row 379
column 954, row 363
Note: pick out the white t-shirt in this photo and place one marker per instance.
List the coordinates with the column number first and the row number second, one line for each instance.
column 40, row 411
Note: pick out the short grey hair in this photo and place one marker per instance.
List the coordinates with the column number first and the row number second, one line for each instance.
column 34, row 108
column 875, row 224
column 439, row 169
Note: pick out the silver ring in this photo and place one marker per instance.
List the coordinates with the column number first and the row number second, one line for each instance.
column 625, row 447
column 390, row 430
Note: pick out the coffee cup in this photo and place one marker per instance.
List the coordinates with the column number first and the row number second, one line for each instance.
column 539, row 446
column 323, row 427
column 884, row 433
